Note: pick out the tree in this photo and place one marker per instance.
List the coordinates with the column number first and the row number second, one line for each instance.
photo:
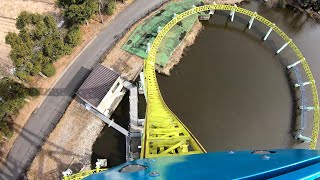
column 12, row 98
column 74, row 36
column 38, row 44
column 34, row 92
column 49, row 70
column 78, row 12
column 110, row 7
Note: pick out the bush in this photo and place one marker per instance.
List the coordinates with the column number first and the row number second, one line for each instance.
column 78, row 12
column 34, row 92
column 111, row 7
column 74, row 36
column 281, row 4
column 49, row 70
column 6, row 129
column 12, row 99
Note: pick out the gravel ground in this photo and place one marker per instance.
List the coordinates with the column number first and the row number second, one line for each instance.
column 71, row 140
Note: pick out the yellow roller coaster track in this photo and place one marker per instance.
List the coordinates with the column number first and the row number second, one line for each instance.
column 83, row 174
column 164, row 133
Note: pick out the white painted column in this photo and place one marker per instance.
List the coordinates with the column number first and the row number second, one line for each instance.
column 251, row 20
column 294, row 64
column 143, row 84
column 148, row 47
column 284, row 46
column 159, row 29
column 211, row 12
column 308, row 108
column 303, row 84
column 303, row 138
column 174, row 15
column 232, row 14
column 268, row 33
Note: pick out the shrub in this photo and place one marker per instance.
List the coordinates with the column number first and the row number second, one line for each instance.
column 6, row 129
column 49, row 70
column 111, row 6
column 74, row 36
column 34, row 92
column 78, row 12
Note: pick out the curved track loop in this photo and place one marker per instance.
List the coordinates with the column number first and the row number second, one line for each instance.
column 164, row 133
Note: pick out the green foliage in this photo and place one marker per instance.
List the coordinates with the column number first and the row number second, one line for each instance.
column 38, row 44
column 110, row 7
column 314, row 4
column 281, row 4
column 12, row 95
column 34, row 92
column 49, row 70
column 78, row 11
column 5, row 129
column 74, row 36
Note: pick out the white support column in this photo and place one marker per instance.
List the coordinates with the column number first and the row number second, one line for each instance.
column 308, row 108
column 303, row 138
column 159, row 29
column 148, row 47
column 268, row 33
column 232, row 12
column 303, row 84
column 251, row 20
column 174, row 15
column 143, row 84
column 284, row 46
column 211, row 12
column 294, row 64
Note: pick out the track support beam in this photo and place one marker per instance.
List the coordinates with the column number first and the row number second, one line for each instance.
column 284, row 46
column 251, row 20
column 268, row 33
column 294, row 64
column 308, row 108
column 232, row 12
column 303, row 84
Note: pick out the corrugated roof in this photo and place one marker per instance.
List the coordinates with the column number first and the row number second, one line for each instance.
column 97, row 85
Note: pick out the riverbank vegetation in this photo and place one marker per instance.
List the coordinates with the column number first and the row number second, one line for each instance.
column 311, row 7
column 12, row 97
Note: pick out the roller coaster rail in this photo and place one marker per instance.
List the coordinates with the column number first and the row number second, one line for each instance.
column 83, row 174
column 164, row 133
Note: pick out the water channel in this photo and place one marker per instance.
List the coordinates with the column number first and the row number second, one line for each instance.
column 230, row 89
